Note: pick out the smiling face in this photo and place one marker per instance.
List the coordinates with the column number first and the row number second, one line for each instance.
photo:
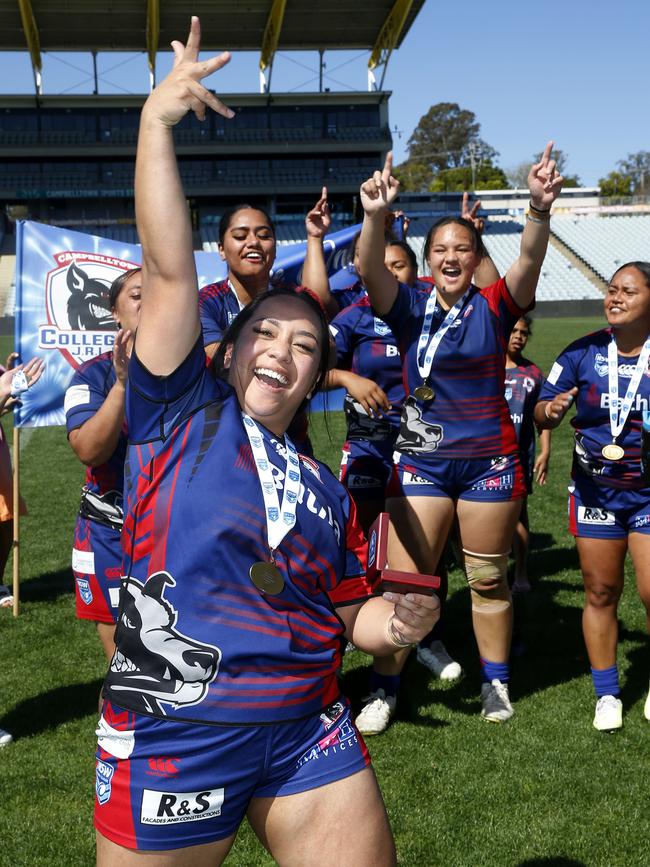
column 249, row 247
column 275, row 361
column 127, row 304
column 452, row 258
column 518, row 338
column 627, row 303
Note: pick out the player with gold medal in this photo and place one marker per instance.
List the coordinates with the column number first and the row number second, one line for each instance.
column 607, row 375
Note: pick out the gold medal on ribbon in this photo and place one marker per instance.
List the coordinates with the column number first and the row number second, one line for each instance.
column 267, row 578
column 613, row 452
column 424, row 392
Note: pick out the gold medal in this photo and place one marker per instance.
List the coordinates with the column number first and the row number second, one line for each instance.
column 613, row 452
column 424, row 392
column 267, row 578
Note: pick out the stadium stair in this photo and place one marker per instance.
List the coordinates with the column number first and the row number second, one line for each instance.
column 578, row 263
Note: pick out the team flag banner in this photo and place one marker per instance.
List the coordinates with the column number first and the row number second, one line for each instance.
column 63, row 314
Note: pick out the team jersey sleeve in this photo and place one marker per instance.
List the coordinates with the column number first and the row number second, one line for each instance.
column 564, row 373
column 503, row 305
column 354, row 586
column 342, row 330
column 86, row 394
column 155, row 405
column 213, row 315
column 405, row 308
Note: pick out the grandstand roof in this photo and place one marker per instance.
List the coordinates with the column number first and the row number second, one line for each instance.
column 121, row 25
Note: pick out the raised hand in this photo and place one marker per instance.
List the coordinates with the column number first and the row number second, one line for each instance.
column 181, row 91
column 380, row 191
column 471, row 214
column 120, row 355
column 319, row 219
column 544, row 181
column 26, row 375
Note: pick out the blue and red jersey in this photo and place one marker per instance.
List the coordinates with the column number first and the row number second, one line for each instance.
column 584, row 364
column 523, row 384
column 85, row 395
column 196, row 640
column 468, row 418
column 218, row 307
column 366, row 346
column 347, row 295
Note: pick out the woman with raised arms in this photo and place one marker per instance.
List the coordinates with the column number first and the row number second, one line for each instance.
column 457, row 450
column 244, row 570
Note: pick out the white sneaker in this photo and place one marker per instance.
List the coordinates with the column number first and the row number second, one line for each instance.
column 646, row 707
column 609, row 713
column 437, row 660
column 5, row 738
column 376, row 713
column 496, row 702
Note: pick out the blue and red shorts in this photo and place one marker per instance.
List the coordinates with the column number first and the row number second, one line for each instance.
column 489, row 480
column 366, row 468
column 166, row 785
column 600, row 512
column 97, row 569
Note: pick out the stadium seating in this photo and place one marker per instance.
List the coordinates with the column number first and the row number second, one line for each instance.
column 605, row 242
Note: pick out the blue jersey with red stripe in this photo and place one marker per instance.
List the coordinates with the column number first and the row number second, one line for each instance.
column 196, row 640
column 218, row 306
column 523, row 384
column 468, row 417
column 366, row 346
column 85, row 395
column 348, row 295
column 584, row 364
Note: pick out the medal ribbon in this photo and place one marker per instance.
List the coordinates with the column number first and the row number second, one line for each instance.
column 433, row 343
column 618, row 417
column 278, row 520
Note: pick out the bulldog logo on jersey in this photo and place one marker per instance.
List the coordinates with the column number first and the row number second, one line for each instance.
column 79, row 321
column 175, row 669
column 417, row 436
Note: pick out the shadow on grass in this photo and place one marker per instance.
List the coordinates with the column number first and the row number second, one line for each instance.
column 548, row 649
column 48, row 587
column 47, row 711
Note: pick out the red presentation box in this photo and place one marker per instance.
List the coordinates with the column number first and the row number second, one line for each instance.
column 390, row 580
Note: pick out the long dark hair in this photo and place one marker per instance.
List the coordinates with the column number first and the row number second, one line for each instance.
column 479, row 246
column 236, row 327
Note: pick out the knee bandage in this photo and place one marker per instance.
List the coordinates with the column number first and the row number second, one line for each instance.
column 486, row 576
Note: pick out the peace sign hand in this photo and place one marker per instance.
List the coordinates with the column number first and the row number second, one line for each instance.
column 181, row 91
column 471, row 214
column 379, row 191
column 544, row 181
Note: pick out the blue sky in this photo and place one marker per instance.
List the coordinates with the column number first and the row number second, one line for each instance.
column 576, row 72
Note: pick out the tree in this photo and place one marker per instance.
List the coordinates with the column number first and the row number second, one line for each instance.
column 518, row 176
column 486, row 177
column 615, row 184
column 637, row 168
column 446, row 137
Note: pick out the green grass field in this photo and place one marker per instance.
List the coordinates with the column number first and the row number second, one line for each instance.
column 544, row 789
